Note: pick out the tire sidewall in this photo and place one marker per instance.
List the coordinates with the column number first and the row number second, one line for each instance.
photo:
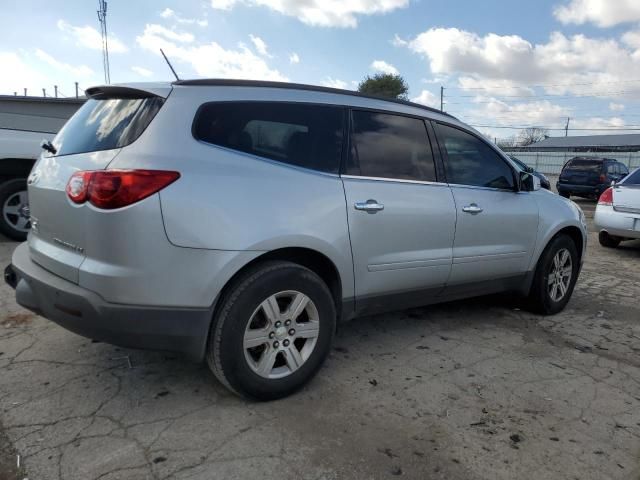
column 549, row 306
column 7, row 189
column 231, row 351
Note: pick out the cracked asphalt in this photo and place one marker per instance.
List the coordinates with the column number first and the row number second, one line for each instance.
column 468, row 390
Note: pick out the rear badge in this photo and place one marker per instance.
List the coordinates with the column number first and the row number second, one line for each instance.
column 68, row 245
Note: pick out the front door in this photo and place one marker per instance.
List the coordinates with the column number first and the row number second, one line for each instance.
column 496, row 225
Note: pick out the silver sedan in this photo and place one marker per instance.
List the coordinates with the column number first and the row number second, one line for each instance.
column 618, row 211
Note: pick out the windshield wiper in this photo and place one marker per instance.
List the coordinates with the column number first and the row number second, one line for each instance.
column 48, row 146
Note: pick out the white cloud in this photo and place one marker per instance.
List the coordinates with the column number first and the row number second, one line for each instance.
column 398, row 42
column 210, row 59
column 172, row 15
column 260, row 45
column 156, row 29
column 89, row 37
column 616, row 107
column 81, row 70
column 323, row 13
column 143, row 72
column 427, row 98
column 384, row 67
column 294, row 58
column 334, row 83
column 575, row 64
column 603, row 13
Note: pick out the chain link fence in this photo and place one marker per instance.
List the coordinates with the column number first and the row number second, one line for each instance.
column 552, row 162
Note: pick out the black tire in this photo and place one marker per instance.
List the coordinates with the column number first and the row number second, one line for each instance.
column 7, row 190
column 225, row 349
column 565, row 194
column 608, row 241
column 540, row 300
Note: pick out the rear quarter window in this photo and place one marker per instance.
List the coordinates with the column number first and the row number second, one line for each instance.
column 305, row 135
column 106, row 124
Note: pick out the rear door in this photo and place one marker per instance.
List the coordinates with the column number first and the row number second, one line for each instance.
column 496, row 225
column 90, row 140
column 401, row 217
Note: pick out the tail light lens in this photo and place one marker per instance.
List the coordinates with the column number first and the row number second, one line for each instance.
column 607, row 197
column 110, row 189
column 603, row 178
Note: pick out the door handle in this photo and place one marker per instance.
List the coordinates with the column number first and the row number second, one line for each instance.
column 370, row 206
column 473, row 209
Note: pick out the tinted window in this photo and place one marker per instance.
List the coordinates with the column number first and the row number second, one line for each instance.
column 584, row 164
column 623, row 169
column 470, row 161
column 390, row 146
column 633, row 179
column 308, row 136
column 106, row 124
column 613, row 168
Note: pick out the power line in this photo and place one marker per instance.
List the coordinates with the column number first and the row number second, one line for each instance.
column 493, row 87
column 102, row 18
column 513, row 127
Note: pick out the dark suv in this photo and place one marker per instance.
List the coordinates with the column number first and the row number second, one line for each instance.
column 588, row 177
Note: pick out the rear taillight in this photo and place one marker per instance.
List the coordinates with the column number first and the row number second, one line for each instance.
column 603, row 178
column 607, row 197
column 109, row 189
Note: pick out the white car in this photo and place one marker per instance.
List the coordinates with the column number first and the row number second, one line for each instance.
column 618, row 212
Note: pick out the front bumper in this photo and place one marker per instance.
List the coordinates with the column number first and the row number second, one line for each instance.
column 84, row 312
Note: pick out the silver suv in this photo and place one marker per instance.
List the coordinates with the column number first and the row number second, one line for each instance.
column 239, row 221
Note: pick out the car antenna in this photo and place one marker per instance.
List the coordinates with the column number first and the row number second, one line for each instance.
column 170, row 66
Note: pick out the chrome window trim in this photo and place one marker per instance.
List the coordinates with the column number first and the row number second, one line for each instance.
column 478, row 187
column 394, row 180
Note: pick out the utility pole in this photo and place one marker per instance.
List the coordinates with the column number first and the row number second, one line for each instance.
column 566, row 127
column 76, row 89
column 102, row 18
column 25, row 91
column 441, row 98
column 44, row 92
column 55, row 87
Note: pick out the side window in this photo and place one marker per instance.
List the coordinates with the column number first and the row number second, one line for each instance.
column 623, row 169
column 390, row 146
column 612, row 168
column 299, row 134
column 470, row 161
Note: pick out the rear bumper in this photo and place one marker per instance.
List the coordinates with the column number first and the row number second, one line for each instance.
column 84, row 312
column 575, row 189
column 615, row 223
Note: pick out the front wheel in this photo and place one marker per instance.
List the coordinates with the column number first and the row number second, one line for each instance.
column 14, row 209
column 272, row 331
column 555, row 277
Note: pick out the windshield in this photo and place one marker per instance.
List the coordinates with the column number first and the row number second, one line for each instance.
column 106, row 124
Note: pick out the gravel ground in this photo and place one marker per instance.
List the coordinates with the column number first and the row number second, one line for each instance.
column 468, row 390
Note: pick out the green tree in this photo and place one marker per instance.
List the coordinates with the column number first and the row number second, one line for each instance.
column 385, row 85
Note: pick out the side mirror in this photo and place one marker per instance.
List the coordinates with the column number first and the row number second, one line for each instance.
column 529, row 182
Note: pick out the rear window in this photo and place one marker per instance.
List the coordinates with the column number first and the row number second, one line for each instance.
column 106, row 124
column 633, row 179
column 584, row 164
column 304, row 135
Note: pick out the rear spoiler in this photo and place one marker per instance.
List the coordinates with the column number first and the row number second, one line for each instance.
column 141, row 90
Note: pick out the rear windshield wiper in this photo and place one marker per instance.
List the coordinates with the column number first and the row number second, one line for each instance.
column 48, row 146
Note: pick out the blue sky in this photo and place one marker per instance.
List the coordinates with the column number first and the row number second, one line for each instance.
column 502, row 63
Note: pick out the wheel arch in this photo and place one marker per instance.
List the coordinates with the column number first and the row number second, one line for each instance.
column 12, row 168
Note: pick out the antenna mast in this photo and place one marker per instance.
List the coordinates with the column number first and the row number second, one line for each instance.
column 102, row 17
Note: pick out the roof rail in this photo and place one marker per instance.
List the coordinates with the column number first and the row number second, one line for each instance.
column 218, row 82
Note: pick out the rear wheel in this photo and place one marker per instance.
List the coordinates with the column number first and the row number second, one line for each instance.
column 608, row 241
column 555, row 277
column 272, row 331
column 14, row 209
